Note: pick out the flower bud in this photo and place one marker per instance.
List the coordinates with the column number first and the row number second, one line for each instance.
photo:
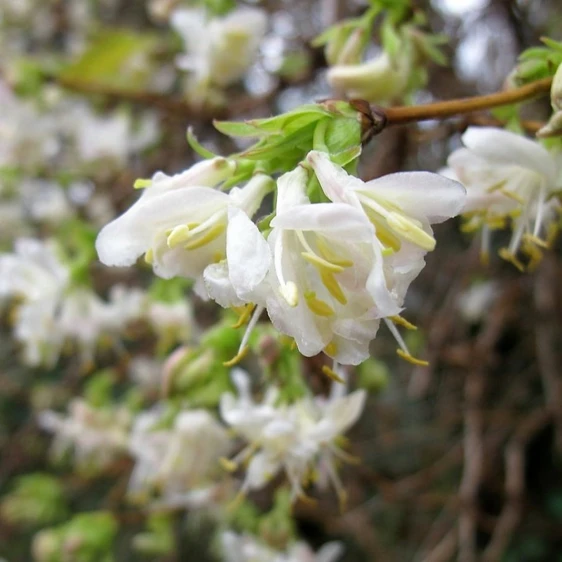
column 378, row 80
column 556, row 90
column 554, row 126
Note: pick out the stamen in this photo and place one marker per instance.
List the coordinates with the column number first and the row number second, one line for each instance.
column 534, row 239
column 244, row 315
column 321, row 262
column 332, row 374
column 149, row 256
column 333, row 286
column 318, row 306
column 288, row 290
column 403, row 322
column 212, row 233
column 327, row 253
column 540, row 211
column 331, row 348
column 237, row 358
column 228, row 465
column 512, row 195
column 141, row 183
column 505, row 254
column 411, row 359
column 178, row 235
column 404, row 352
column 411, row 231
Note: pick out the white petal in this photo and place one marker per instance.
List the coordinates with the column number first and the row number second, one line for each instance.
column 334, row 219
column 219, row 286
column 336, row 183
column 261, row 470
column 247, row 253
column 420, row 194
column 504, row 147
column 291, row 189
column 123, row 240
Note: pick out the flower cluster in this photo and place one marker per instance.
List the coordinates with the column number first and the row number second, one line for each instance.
column 327, row 272
column 510, row 180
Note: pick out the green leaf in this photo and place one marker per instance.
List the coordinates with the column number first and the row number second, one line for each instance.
column 112, row 60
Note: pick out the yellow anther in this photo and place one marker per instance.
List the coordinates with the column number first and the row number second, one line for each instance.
column 505, row 254
column 386, row 237
column 211, row 234
column 496, row 186
column 149, row 256
column 387, row 252
column 245, row 314
column 333, row 286
column 237, row 358
column 218, row 257
column 290, row 293
column 471, row 225
column 531, row 238
column 318, row 306
column 410, row 231
column 321, row 262
column 178, row 235
column 142, row 183
column 228, row 465
column 411, row 359
column 403, row 322
column 332, row 374
column 331, row 348
column 516, row 197
column 330, row 255
column 495, row 223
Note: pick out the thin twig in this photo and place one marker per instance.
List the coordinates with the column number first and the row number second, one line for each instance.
column 450, row 108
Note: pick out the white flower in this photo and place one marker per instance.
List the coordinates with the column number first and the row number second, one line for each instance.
column 322, row 259
column 98, row 436
column 246, row 548
column 297, row 438
column 180, row 222
column 379, row 80
column 219, row 51
column 179, row 460
column 507, row 177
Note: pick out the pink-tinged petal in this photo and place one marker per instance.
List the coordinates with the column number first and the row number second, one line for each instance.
column 336, row 183
column 332, row 219
column 123, row 240
column 247, row 252
column 506, row 148
column 419, row 194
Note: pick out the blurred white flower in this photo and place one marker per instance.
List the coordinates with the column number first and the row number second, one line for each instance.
column 247, row 548
column 299, row 438
column 219, row 50
column 97, row 435
column 508, row 178
column 180, row 462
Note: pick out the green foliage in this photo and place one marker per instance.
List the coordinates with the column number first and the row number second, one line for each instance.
column 87, row 537
column 539, row 62
column 37, row 499
column 158, row 539
column 115, row 58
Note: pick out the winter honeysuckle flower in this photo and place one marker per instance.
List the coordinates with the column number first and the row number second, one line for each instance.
column 379, row 80
column 247, row 548
column 322, row 257
column 180, row 222
column 219, row 50
column 97, row 435
column 33, row 272
column 177, row 460
column 400, row 209
column 299, row 438
column 508, row 177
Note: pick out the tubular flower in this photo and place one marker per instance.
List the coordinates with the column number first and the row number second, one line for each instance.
column 180, row 222
column 322, row 258
column 509, row 179
column 298, row 438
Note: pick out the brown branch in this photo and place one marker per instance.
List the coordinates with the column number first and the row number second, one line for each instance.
column 450, row 108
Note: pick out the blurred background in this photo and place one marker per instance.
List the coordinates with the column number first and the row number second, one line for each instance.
column 464, row 456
